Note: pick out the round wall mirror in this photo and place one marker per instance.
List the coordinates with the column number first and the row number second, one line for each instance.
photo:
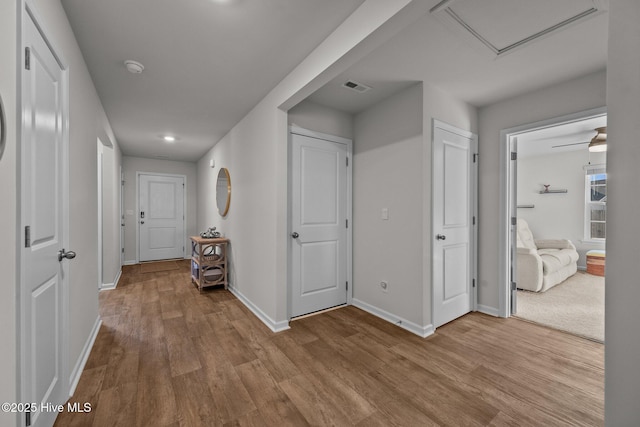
column 3, row 130
column 223, row 191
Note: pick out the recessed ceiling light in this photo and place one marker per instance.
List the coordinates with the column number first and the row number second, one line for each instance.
column 169, row 138
column 133, row 67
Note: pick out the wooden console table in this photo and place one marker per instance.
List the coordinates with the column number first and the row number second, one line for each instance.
column 209, row 262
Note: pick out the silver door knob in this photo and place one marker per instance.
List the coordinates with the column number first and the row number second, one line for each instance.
column 141, row 222
column 62, row 254
column 440, row 237
column 295, row 235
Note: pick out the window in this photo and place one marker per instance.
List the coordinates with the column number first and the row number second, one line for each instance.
column 595, row 202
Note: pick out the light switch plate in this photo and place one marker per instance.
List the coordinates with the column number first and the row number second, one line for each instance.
column 384, row 214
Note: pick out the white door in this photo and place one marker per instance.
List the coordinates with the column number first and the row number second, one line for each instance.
column 44, row 210
column 161, row 217
column 319, row 185
column 453, row 227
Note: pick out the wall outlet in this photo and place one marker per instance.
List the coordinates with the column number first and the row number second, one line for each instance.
column 384, row 286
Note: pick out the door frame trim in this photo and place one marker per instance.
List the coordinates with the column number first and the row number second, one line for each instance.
column 184, row 209
column 435, row 123
column 26, row 11
column 506, row 209
column 296, row 130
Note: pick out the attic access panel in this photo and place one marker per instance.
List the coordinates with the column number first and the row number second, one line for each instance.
column 504, row 25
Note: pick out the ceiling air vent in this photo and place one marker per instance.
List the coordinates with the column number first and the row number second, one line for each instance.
column 355, row 86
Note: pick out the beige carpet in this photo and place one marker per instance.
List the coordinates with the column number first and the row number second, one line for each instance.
column 154, row 267
column 576, row 306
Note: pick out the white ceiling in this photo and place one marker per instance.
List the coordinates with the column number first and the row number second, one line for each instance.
column 573, row 136
column 434, row 51
column 207, row 62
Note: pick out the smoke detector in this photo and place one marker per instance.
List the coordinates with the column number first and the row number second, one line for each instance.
column 355, row 86
column 133, row 67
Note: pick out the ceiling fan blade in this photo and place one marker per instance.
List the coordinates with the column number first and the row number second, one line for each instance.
column 567, row 145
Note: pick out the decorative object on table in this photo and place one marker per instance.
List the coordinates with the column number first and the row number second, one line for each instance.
column 211, row 233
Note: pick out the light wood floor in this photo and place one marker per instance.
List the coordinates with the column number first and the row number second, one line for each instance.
column 169, row 356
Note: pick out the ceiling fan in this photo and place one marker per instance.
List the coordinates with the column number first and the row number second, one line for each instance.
column 597, row 144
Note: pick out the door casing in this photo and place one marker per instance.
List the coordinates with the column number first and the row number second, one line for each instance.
column 26, row 12
column 137, row 213
column 473, row 173
column 349, row 144
column 507, row 205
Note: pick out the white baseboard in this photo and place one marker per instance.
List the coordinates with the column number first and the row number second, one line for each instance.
column 112, row 286
column 131, row 262
column 421, row 331
column 488, row 310
column 271, row 324
column 84, row 356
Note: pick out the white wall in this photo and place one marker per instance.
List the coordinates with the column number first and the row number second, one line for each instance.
column 316, row 117
column 8, row 211
column 131, row 165
column 557, row 215
column 576, row 95
column 387, row 174
column 256, row 153
column 622, row 347
column 392, row 169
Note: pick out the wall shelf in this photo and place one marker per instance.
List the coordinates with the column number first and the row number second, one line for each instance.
column 553, row 191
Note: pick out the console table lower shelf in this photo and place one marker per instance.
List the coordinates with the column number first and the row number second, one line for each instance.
column 209, row 266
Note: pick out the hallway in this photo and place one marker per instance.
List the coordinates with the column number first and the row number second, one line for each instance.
column 167, row 356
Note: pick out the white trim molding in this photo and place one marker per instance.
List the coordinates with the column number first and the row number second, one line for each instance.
column 74, row 378
column 271, row 324
column 421, row 331
column 491, row 311
column 112, row 286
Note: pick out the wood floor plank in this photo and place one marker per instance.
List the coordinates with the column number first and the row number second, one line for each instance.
column 168, row 355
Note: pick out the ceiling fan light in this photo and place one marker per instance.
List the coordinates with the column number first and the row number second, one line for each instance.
column 599, row 142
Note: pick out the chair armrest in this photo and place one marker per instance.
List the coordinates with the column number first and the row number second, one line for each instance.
column 526, row 251
column 554, row 244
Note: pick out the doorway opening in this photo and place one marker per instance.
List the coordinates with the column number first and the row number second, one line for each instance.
column 554, row 222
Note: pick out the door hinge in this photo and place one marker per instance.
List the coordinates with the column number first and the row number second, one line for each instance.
column 27, row 58
column 28, row 418
column 514, row 286
column 347, row 161
column 475, row 157
column 514, row 155
column 514, row 220
column 122, row 250
column 347, row 224
column 27, row 236
column 474, row 220
column 347, row 285
column 473, row 282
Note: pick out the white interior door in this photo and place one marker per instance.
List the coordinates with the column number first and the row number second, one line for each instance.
column 161, row 217
column 453, row 223
column 319, row 185
column 44, row 210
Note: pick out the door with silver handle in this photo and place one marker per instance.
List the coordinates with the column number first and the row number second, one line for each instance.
column 295, row 235
column 440, row 237
column 62, row 254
